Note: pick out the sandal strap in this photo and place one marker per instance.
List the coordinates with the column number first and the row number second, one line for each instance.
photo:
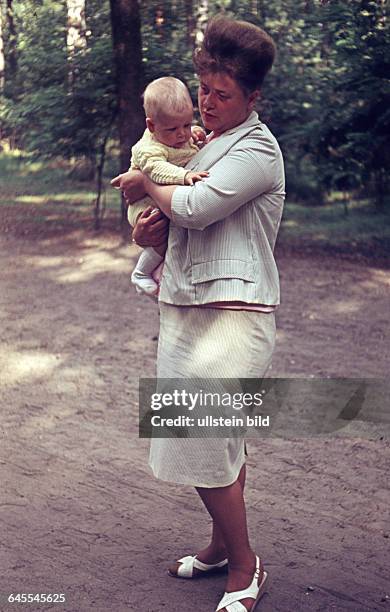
column 236, row 607
column 235, row 596
column 206, row 567
column 230, row 599
column 186, row 569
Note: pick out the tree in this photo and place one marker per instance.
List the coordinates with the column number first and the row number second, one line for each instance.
column 191, row 22
column 352, row 138
column 76, row 33
column 326, row 99
column 46, row 116
column 12, row 41
column 129, row 77
column 2, row 58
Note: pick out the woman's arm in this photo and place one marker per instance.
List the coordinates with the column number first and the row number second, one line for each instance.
column 253, row 167
column 161, row 194
column 135, row 185
column 150, row 229
column 132, row 185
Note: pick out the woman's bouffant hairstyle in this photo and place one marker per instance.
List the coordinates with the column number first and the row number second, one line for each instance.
column 240, row 49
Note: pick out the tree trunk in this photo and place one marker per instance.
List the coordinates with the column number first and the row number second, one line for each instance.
column 262, row 13
column 2, row 60
column 76, row 33
column 126, row 33
column 201, row 22
column 12, row 61
column 254, row 7
column 99, row 209
column 190, row 22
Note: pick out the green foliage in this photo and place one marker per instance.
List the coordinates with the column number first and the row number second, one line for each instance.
column 41, row 42
column 169, row 35
column 40, row 198
column 328, row 96
column 326, row 99
column 46, row 114
column 360, row 230
column 353, row 137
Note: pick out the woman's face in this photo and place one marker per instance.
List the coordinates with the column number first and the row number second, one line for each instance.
column 222, row 103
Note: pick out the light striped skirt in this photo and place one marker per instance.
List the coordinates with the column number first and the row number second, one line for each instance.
column 208, row 343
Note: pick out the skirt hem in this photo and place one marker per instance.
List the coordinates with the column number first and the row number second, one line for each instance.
column 199, row 485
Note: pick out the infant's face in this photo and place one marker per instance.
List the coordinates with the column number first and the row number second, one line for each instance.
column 174, row 130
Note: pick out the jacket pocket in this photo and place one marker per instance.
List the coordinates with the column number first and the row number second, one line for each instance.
column 222, row 268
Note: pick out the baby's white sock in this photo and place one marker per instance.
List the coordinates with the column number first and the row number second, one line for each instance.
column 142, row 274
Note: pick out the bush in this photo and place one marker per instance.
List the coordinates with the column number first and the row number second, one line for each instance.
column 303, row 184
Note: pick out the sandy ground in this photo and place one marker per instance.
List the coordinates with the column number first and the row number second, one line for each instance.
column 80, row 512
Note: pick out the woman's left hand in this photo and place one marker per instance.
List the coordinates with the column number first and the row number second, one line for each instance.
column 151, row 229
column 131, row 183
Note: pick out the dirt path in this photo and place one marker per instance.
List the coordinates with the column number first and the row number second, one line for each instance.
column 80, row 513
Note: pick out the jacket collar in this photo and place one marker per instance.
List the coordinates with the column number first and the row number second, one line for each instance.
column 251, row 122
column 218, row 147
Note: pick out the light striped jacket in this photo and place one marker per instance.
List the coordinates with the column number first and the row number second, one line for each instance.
column 224, row 228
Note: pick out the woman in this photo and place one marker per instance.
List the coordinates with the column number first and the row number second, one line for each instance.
column 220, row 285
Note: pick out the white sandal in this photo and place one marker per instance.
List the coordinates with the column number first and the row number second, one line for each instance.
column 186, row 569
column 231, row 601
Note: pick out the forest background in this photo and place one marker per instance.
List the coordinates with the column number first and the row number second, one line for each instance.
column 72, row 74
column 80, row 513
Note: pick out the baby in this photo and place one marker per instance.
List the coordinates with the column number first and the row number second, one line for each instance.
column 166, row 146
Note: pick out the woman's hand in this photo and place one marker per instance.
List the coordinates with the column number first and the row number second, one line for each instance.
column 132, row 185
column 152, row 228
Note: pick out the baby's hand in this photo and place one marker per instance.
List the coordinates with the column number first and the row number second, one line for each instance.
column 192, row 177
column 198, row 134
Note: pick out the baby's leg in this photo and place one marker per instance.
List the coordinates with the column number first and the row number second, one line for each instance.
column 142, row 275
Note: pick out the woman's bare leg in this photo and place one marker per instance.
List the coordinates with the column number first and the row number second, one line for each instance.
column 227, row 508
column 216, row 550
column 242, row 477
